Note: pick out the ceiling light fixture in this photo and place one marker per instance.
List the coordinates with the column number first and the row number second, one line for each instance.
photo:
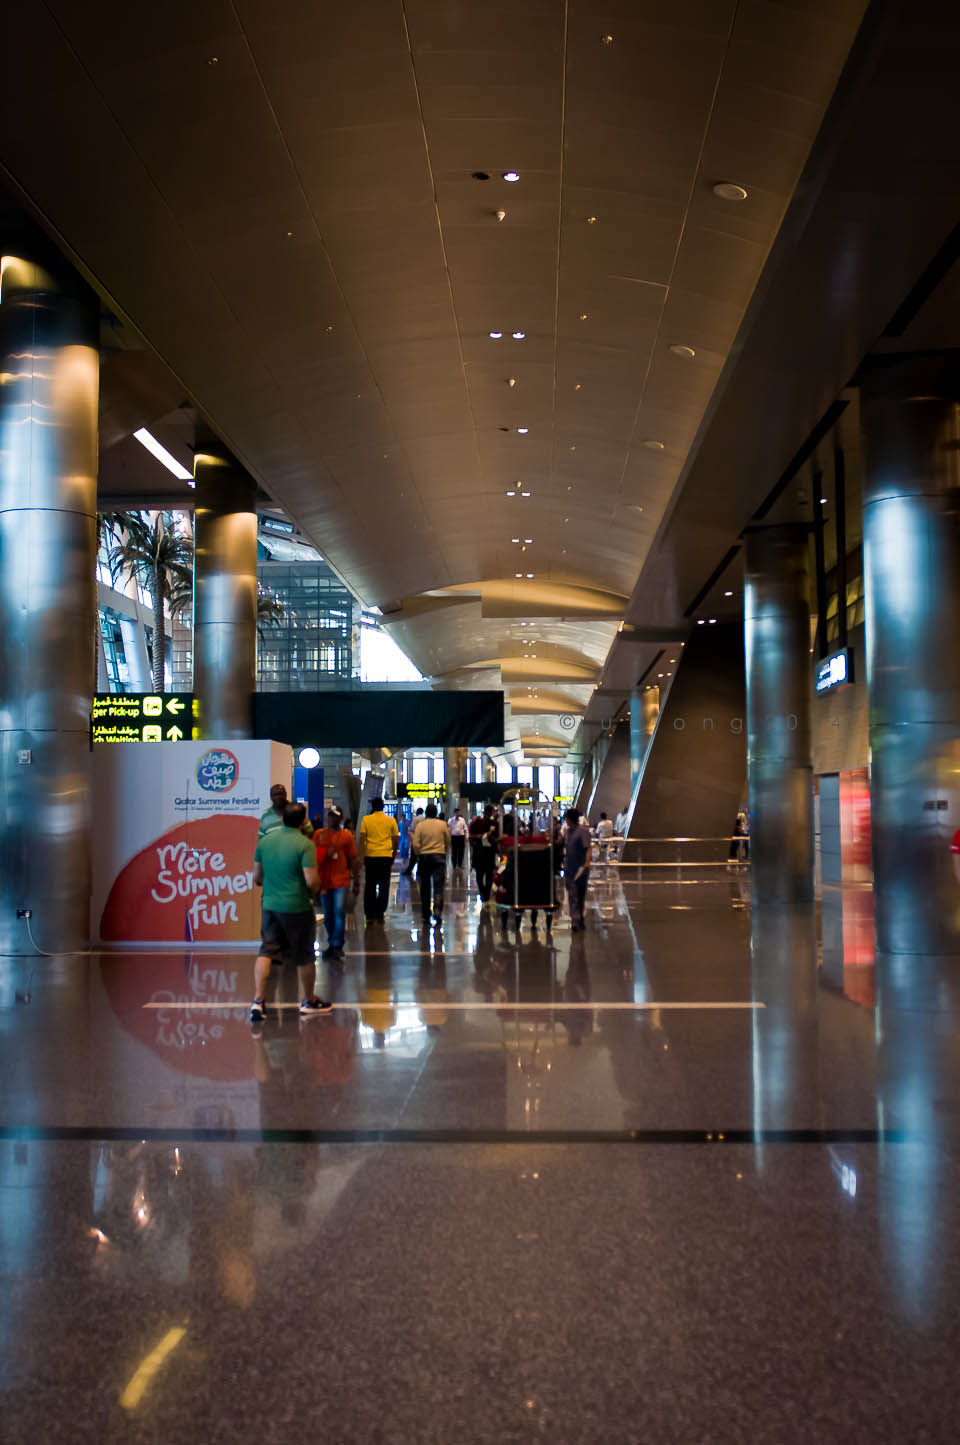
column 522, row 430
column 511, row 494
column 529, row 574
column 606, row 39
column 519, row 336
column 525, row 494
column 511, row 381
column 591, row 220
column 729, row 191
column 687, row 352
column 500, row 215
column 728, row 594
column 518, row 574
column 583, row 316
column 711, row 619
column 653, row 446
column 823, row 501
column 495, row 335
column 699, row 619
column 146, row 439
column 511, row 175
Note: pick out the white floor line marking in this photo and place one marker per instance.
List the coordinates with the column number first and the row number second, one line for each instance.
column 479, row 1005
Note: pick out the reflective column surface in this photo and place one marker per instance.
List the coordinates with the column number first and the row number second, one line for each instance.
column 779, row 764
column 225, row 602
column 690, row 1175
column 49, row 387
column 911, row 574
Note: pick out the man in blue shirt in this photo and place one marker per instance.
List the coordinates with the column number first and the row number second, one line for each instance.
column 576, row 866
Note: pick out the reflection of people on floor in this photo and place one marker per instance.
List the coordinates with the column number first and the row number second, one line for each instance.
column 576, row 989
column 432, row 991
column 377, row 1007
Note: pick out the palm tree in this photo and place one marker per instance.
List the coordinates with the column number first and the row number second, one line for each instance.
column 159, row 558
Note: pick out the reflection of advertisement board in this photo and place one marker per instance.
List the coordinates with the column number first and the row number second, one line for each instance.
column 135, row 717
column 177, row 829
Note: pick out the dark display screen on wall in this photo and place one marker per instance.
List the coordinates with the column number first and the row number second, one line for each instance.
column 401, row 718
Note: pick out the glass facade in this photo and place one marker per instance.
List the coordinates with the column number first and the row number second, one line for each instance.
column 312, row 645
column 118, row 671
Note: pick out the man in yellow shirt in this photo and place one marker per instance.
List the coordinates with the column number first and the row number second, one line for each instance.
column 379, row 838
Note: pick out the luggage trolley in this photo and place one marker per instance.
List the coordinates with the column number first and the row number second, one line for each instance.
column 530, row 880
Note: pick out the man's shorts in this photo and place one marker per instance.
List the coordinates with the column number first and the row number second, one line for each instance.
column 288, row 937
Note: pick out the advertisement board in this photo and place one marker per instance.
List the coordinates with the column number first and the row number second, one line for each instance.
column 175, row 828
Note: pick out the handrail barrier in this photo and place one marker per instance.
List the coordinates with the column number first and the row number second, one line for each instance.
column 681, row 847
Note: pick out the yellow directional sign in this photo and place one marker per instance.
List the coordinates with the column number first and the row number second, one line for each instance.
column 134, row 717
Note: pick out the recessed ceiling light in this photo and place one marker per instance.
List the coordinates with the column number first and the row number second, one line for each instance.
column 518, row 574
column 653, row 446
column 729, row 191
column 583, row 316
column 511, row 381
column 823, row 501
column 687, row 352
column 576, row 386
column 591, row 220
column 522, row 430
column 511, row 494
column 511, row 175
column 606, row 39
column 213, row 60
column 529, row 574
column 524, row 494
column 711, row 619
column 519, row 335
column 528, row 540
column 495, row 335
column 659, row 674
column 699, row 619
column 728, row 594
column 673, row 659
column 635, row 508
column 515, row 539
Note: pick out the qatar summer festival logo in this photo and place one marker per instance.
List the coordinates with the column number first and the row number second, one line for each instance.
column 217, row 771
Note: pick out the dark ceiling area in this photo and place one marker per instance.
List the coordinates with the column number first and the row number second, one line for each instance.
column 519, row 312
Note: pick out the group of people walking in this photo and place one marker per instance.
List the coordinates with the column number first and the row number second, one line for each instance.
column 298, row 863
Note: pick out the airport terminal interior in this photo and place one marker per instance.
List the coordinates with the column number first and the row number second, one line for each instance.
column 480, row 722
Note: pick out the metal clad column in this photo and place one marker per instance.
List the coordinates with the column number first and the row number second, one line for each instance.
column 454, row 765
column 50, row 362
column 135, row 651
column 225, row 595
column 779, row 765
column 911, row 572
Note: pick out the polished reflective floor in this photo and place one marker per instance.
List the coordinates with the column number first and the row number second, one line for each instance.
column 690, row 1175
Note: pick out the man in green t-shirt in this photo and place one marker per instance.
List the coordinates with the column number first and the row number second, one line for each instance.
column 273, row 817
column 285, row 866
